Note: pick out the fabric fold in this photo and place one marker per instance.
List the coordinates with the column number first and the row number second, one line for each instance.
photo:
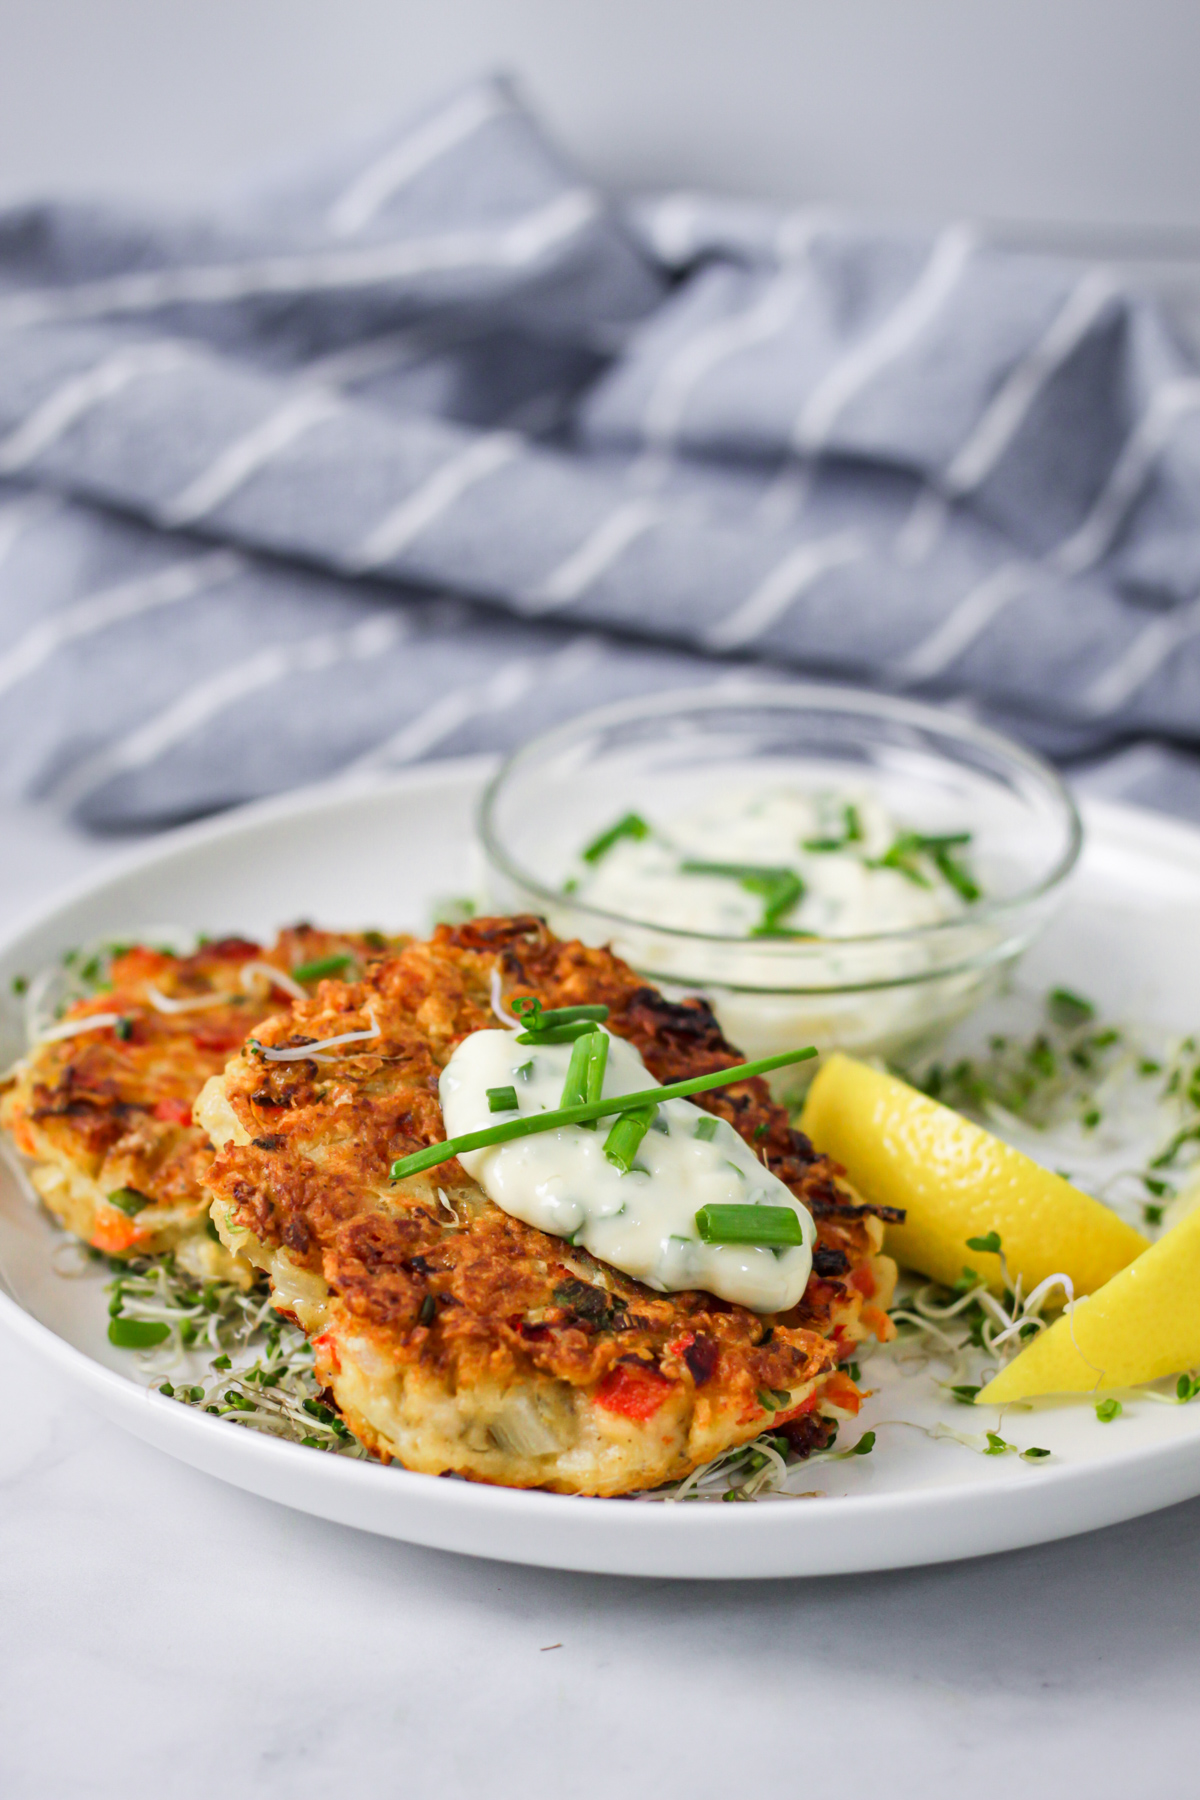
column 417, row 451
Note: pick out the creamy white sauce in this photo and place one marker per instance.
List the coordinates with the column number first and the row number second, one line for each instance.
column 844, row 896
column 644, row 1222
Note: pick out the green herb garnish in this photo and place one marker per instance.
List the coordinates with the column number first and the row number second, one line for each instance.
column 905, row 851
column 435, row 1154
column 779, row 889
column 624, row 1140
column 852, row 833
column 631, row 826
column 741, row 1224
column 502, row 1099
column 322, row 966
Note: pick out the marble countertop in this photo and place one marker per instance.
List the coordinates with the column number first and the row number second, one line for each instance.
column 167, row 1636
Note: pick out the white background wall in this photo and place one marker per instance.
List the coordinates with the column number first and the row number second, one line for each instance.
column 1050, row 113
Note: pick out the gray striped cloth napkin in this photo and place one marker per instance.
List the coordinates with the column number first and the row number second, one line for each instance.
column 435, row 445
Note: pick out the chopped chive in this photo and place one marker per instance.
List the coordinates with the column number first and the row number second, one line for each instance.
column 502, row 1099
column 570, row 1015
column 428, row 1311
column 631, row 826
column 129, row 1201
column 575, row 1086
column 559, row 1034
column 323, row 965
column 435, row 1154
column 123, row 1029
column 597, row 1064
column 707, row 1128
column 852, row 833
column 780, row 890
column 137, row 1334
column 1108, row 1410
column 624, row 1140
column 742, row 1224
column 956, row 876
column 525, row 1072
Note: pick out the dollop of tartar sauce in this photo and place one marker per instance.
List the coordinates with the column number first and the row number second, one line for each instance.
column 844, row 892
column 644, row 1222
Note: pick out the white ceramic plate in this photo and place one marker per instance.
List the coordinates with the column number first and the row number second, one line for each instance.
column 1127, row 935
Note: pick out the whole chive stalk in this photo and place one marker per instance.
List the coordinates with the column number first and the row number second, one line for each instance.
column 502, row 1099
column 774, row 1225
column 624, row 1140
column 433, row 1155
column 322, row 966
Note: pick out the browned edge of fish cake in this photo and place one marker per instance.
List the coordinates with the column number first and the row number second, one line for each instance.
column 459, row 1339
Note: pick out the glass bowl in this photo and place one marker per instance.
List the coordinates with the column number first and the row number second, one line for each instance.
column 664, row 756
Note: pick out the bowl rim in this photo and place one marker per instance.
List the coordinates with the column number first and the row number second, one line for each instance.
column 797, row 697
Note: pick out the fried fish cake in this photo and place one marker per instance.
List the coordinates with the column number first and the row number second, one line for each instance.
column 106, row 1113
column 458, row 1339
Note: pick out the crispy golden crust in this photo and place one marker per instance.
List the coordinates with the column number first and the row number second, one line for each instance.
column 110, row 1111
column 461, row 1340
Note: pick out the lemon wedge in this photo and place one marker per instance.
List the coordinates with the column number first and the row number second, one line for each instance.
column 1143, row 1324
column 956, row 1181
